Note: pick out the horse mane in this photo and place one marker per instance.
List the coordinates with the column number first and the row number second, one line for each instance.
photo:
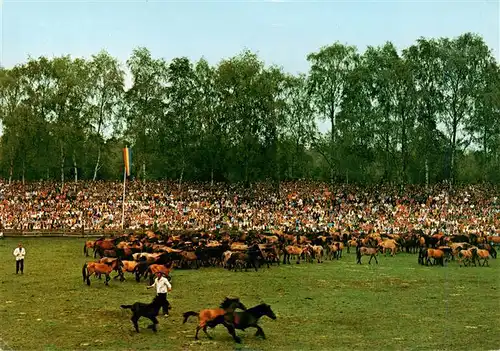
column 227, row 302
column 156, row 302
column 257, row 308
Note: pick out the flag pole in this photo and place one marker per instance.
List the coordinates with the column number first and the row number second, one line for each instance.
column 123, row 198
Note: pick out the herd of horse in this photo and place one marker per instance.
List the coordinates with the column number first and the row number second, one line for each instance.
column 143, row 255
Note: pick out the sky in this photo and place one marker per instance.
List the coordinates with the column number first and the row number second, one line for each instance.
column 282, row 32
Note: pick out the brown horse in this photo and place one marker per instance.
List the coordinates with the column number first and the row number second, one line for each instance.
column 156, row 268
column 207, row 315
column 466, row 256
column 103, row 244
column 481, row 254
column 87, row 246
column 102, row 268
column 366, row 251
column 292, row 250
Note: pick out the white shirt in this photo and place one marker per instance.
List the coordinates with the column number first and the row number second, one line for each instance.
column 162, row 285
column 19, row 253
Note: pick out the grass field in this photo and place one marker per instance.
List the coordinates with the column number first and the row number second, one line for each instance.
column 337, row 305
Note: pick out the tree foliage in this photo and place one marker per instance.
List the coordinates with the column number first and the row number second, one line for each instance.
column 428, row 113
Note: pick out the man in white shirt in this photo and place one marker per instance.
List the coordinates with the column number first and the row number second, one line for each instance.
column 19, row 254
column 162, row 287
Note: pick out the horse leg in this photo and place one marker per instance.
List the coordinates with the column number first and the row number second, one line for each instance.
column 375, row 257
column 134, row 320
column 206, row 333
column 155, row 322
column 197, row 331
column 108, row 278
column 260, row 332
column 230, row 329
column 370, row 261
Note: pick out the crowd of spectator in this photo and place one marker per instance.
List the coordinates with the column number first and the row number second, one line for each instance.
column 307, row 206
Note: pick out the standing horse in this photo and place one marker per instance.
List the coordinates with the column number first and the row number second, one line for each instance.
column 102, row 268
column 206, row 315
column 87, row 246
column 366, row 251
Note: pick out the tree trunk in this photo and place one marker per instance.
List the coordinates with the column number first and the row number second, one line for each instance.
column 212, row 176
column 387, row 156
column 98, row 163
column 99, row 126
column 180, row 178
column 246, row 173
column 62, row 165
column 75, row 168
column 453, row 147
column 144, row 172
column 485, row 154
column 427, row 171
column 294, row 159
column 11, row 169
column 23, row 172
column 403, row 155
column 332, row 136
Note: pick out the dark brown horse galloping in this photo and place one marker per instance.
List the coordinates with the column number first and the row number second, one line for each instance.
column 246, row 319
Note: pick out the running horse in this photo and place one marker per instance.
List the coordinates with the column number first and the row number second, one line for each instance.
column 246, row 319
column 140, row 309
column 205, row 317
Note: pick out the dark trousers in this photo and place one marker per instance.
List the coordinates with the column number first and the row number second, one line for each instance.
column 164, row 303
column 19, row 266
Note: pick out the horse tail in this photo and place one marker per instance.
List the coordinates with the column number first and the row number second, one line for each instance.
column 189, row 314
column 126, row 306
column 84, row 271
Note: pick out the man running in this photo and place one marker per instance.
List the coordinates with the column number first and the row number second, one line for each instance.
column 162, row 287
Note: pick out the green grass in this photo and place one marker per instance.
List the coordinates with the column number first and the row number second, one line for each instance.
column 397, row 305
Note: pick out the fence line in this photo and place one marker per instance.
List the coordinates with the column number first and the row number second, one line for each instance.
column 13, row 233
